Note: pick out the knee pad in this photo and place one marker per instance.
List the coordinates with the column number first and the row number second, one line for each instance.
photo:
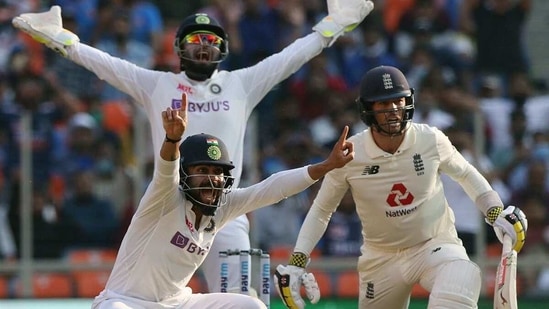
column 456, row 286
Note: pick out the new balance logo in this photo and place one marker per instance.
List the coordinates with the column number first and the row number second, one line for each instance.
column 370, row 170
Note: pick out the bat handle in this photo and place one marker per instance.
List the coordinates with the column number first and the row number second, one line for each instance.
column 507, row 243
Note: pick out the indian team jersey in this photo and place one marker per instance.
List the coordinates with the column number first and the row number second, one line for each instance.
column 399, row 197
column 220, row 105
column 163, row 247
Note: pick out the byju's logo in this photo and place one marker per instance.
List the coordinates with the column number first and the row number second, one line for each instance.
column 183, row 242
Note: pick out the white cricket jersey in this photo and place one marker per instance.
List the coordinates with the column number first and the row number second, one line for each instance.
column 163, row 248
column 399, row 197
column 219, row 106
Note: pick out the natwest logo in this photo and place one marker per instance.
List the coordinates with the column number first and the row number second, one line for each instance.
column 400, row 196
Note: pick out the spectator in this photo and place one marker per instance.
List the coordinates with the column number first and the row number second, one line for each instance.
column 113, row 181
column 340, row 111
column 290, row 151
column 91, row 221
column 530, row 179
column 429, row 111
column 496, row 108
column 316, row 81
column 83, row 133
column 497, row 27
column 422, row 24
column 507, row 158
column 31, row 102
column 49, row 237
column 146, row 23
column 373, row 50
column 288, row 215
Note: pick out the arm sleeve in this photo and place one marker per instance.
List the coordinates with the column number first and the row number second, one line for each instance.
column 471, row 180
column 262, row 77
column 327, row 200
column 165, row 181
column 267, row 192
column 127, row 77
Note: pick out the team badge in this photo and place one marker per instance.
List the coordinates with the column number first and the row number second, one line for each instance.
column 214, row 152
column 387, row 81
column 202, row 19
column 418, row 164
column 215, row 88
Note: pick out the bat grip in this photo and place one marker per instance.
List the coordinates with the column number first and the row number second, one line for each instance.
column 507, row 243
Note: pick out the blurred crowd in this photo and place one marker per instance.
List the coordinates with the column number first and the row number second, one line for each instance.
column 466, row 59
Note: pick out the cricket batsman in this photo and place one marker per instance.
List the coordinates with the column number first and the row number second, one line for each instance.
column 408, row 228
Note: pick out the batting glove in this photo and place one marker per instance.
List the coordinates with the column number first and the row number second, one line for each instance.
column 47, row 28
column 512, row 222
column 343, row 16
column 288, row 281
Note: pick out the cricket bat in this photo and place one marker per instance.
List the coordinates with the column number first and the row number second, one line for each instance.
column 505, row 294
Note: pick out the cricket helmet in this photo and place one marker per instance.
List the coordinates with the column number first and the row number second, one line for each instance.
column 205, row 149
column 200, row 23
column 380, row 84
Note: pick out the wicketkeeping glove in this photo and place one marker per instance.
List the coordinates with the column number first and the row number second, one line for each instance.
column 288, row 281
column 512, row 222
column 47, row 28
column 343, row 16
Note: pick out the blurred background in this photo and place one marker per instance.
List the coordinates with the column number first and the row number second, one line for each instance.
column 75, row 156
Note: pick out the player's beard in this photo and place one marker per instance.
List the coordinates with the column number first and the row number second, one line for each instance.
column 198, row 71
column 392, row 125
column 200, row 63
column 205, row 197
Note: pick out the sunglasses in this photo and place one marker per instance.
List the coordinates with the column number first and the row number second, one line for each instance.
column 203, row 38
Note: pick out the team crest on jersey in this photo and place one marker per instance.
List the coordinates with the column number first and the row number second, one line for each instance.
column 418, row 164
column 215, row 88
column 370, row 294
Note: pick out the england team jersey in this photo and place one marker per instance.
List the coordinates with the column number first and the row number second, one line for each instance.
column 399, row 197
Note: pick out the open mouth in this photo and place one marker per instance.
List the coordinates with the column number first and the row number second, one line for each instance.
column 203, row 56
column 208, row 196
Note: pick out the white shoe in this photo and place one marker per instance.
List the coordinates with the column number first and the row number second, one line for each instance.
column 47, row 28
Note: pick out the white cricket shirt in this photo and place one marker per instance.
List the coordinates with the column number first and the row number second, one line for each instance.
column 219, row 106
column 163, row 248
column 399, row 197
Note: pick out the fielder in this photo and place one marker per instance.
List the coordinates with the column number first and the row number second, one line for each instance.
column 187, row 201
column 220, row 102
column 408, row 232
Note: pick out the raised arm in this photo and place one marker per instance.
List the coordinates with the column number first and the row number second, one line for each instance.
column 175, row 123
column 342, row 153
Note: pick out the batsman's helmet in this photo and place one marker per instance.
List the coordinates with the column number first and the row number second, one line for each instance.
column 200, row 22
column 380, row 84
column 205, row 149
